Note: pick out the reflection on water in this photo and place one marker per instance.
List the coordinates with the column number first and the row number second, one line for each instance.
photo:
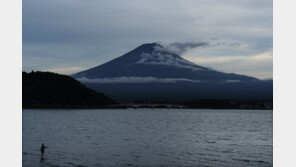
column 146, row 137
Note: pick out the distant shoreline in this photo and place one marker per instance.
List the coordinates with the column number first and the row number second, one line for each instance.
column 123, row 106
column 74, row 107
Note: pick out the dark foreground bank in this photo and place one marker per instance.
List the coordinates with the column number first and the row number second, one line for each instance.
column 50, row 90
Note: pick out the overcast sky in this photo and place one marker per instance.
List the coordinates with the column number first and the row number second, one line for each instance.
column 67, row 36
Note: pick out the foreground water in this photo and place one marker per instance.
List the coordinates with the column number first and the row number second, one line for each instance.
column 147, row 137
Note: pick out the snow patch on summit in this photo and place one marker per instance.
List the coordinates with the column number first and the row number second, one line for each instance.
column 161, row 57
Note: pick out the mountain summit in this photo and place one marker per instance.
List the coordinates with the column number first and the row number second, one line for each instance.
column 153, row 60
column 152, row 72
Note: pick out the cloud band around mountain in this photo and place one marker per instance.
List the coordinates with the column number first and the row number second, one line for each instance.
column 135, row 80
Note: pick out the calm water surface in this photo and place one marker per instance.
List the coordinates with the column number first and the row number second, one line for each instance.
column 146, row 137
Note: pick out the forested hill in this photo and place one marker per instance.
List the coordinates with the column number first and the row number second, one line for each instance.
column 50, row 90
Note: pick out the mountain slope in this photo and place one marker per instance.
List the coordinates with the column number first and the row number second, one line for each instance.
column 152, row 60
column 50, row 90
column 150, row 72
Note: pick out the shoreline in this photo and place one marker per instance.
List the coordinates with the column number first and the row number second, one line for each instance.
column 136, row 108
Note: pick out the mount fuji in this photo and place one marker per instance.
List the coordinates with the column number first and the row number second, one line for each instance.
column 151, row 72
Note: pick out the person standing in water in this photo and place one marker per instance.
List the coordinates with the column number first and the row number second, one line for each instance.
column 42, row 149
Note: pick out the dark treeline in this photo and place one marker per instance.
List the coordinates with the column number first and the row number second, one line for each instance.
column 211, row 104
column 50, row 90
column 230, row 104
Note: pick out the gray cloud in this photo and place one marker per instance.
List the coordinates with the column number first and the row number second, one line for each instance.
column 182, row 47
column 76, row 34
column 135, row 80
column 228, row 44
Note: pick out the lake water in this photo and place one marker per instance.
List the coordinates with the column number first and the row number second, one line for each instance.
column 146, row 137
